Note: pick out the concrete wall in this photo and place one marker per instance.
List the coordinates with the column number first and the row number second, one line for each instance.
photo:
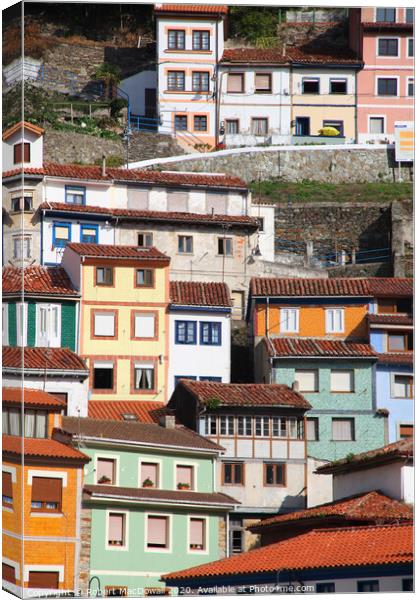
column 319, row 487
column 387, row 478
column 135, row 87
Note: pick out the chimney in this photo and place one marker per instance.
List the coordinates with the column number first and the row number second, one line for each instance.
column 167, row 421
column 295, row 386
column 103, row 165
column 284, row 50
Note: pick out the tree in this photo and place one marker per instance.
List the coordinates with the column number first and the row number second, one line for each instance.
column 111, row 77
column 251, row 23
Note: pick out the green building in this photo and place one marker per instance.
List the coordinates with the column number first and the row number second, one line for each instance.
column 149, row 504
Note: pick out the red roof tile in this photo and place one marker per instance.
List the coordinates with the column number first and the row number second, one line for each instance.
column 254, row 55
column 153, row 215
column 299, row 347
column 318, row 549
column 291, row 54
column 198, row 293
column 387, row 287
column 25, row 170
column 400, row 449
column 57, row 359
column 21, row 126
column 319, row 55
column 110, row 251
column 45, row 448
column 192, row 8
column 245, row 394
column 38, row 280
column 270, row 286
column 31, row 397
column 147, row 412
column 396, row 358
column 392, row 319
column 371, row 506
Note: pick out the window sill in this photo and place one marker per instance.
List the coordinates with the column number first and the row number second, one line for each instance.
column 8, row 509
column 18, row 212
column 54, row 515
column 187, row 51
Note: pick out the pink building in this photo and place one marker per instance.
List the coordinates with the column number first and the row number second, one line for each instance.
column 383, row 39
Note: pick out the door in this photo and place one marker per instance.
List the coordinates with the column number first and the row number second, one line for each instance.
column 238, row 301
column 48, row 325
column 303, row 126
column 150, row 103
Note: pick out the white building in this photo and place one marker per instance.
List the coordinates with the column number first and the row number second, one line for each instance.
column 199, row 338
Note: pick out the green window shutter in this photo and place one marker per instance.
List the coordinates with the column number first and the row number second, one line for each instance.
column 68, row 325
column 31, row 323
column 12, row 323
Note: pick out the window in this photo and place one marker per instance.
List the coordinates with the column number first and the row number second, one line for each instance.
column 104, row 324
column 200, row 123
column 260, row 224
column 227, row 425
column 103, row 376
column 245, row 426
column 387, row 86
column 22, row 246
column 19, row 203
column 343, row 430
column 176, row 80
column 210, row 333
column 116, row 529
column 180, row 123
column 144, row 277
column 75, row 195
column 149, row 474
column 368, row 586
column 275, row 474
column 5, row 323
column 106, row 470
column 407, row 584
column 144, row 376
column 176, row 39
column 201, row 40
column 185, row 332
column 402, row 386
column 235, row 83
column 145, row 325
column 22, row 153
column 233, row 473
column 89, row 234
column 327, row 587
column 157, row 532
column 409, row 15
column 46, row 494
column 7, row 489
column 262, row 426
column 217, row 203
column 197, row 530
column 403, row 305
column 400, row 342
column 312, row 429
column 184, row 477
column 279, row 427
column 232, row 126
column 48, row 325
column 21, row 323
column 8, row 573
column 145, row 240
column 303, row 126
column 200, row 81
column 342, row 380
column 177, row 201
column 263, row 83
column 338, row 86
column 185, row 244
column 225, row 246
column 334, row 320
column 236, row 536
column 259, row 126
column 310, row 85
column 210, row 378
column 388, row 47
column 410, row 87
column 406, row 431
column 12, row 421
column 211, row 425
column 376, row 124
column 296, row 428
column 289, row 320
column 36, row 424
column 385, row 15
column 104, row 276
column 43, row 579
column 307, row 380
column 339, row 125
column 61, row 234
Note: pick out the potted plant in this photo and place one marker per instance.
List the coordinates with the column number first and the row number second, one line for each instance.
column 104, row 480
column 183, row 486
column 148, row 483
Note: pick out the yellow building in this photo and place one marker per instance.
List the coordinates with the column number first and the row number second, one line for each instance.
column 42, row 481
column 123, row 329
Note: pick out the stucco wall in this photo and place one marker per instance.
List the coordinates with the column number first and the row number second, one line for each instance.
column 387, row 478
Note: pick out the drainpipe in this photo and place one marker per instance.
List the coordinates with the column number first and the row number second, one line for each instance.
column 227, row 535
column 216, row 85
column 291, row 97
column 356, row 124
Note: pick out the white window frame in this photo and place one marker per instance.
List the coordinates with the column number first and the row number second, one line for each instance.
column 377, row 77
column 186, row 463
column 392, row 376
column 167, row 550
column 106, row 314
column 387, row 56
column 152, row 460
column 21, row 340
column 5, row 323
column 288, row 310
column 343, row 327
column 205, row 518
column 52, row 342
column 49, row 474
column 114, row 457
column 126, row 529
column 383, row 117
column 138, row 313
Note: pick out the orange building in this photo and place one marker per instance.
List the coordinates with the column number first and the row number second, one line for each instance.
column 42, row 482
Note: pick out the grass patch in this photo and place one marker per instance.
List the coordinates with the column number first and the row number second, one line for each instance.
column 314, row 191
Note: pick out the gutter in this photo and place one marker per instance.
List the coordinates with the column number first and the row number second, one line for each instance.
column 42, row 372
column 170, row 501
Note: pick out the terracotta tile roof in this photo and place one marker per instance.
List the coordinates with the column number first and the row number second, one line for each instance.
column 318, row 549
column 38, row 280
column 155, row 496
column 145, row 433
column 270, row 286
column 45, row 448
column 254, row 55
column 153, row 215
column 388, row 26
column 299, row 347
column 199, row 293
column 396, row 358
column 26, row 171
column 111, row 251
column 318, row 55
column 290, row 55
column 245, row 394
column 168, row 178
column 395, row 287
column 147, row 412
column 371, row 506
column 192, row 8
column 22, row 125
column 52, row 359
column 382, row 319
column 400, row 449
column 31, row 397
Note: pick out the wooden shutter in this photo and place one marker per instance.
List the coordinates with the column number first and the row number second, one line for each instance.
column 17, row 153
column 8, row 573
column 43, row 579
column 7, row 485
column 26, row 152
column 47, row 489
column 197, row 529
column 157, row 531
column 235, row 82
